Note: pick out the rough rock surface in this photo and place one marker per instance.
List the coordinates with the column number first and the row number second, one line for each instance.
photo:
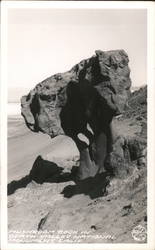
column 137, row 104
column 104, row 76
column 58, row 210
column 129, row 150
column 91, row 93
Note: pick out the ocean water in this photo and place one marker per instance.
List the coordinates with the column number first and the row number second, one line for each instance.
column 14, row 109
column 15, row 122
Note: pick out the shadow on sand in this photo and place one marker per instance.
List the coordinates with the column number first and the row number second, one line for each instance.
column 93, row 186
column 46, row 171
column 42, row 171
column 14, row 185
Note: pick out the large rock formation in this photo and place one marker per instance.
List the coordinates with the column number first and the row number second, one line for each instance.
column 84, row 101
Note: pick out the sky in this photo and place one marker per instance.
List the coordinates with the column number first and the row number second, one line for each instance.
column 42, row 42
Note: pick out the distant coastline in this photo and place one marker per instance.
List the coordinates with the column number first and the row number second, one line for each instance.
column 14, row 106
column 13, row 109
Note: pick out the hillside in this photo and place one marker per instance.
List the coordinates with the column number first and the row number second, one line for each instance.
column 104, row 209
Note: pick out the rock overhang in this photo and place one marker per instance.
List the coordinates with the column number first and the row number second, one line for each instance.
column 105, row 75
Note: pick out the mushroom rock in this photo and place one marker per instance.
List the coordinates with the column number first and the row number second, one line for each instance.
column 83, row 100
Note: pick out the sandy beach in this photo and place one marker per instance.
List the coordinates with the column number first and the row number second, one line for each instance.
column 25, row 146
column 57, row 205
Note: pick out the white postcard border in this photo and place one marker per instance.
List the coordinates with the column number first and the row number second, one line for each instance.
column 150, row 6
